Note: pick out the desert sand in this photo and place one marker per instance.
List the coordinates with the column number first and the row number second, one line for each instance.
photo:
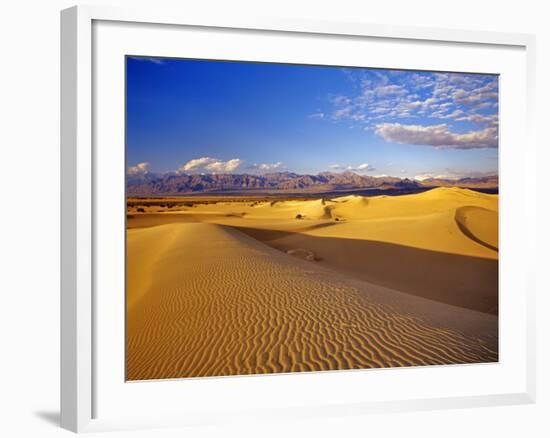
column 245, row 286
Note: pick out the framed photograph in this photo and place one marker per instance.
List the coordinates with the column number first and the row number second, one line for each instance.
column 282, row 218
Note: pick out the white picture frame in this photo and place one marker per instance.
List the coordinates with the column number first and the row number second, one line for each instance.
column 79, row 171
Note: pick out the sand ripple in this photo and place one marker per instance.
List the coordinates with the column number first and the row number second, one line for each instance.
column 220, row 303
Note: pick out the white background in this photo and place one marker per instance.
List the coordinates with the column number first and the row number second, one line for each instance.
column 253, row 395
column 29, row 309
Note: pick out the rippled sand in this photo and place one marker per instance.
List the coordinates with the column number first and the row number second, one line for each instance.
column 208, row 296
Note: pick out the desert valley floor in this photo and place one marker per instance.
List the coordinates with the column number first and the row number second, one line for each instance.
column 233, row 286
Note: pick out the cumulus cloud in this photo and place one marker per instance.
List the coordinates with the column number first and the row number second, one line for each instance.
column 209, row 164
column 267, row 167
column 139, row 169
column 438, row 136
column 363, row 167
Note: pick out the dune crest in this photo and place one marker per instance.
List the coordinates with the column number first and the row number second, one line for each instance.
column 430, row 220
column 478, row 224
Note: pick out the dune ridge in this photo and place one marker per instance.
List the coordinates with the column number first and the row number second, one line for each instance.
column 215, row 302
column 446, row 219
column 477, row 223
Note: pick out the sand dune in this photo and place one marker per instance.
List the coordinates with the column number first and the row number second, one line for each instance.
column 434, row 220
column 479, row 224
column 206, row 299
column 469, row 282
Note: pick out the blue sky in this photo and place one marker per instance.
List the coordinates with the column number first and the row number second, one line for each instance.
column 193, row 116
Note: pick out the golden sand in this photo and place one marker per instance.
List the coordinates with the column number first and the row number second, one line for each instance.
column 245, row 287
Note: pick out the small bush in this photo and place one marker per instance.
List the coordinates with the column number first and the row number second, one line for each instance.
column 140, row 210
column 299, row 216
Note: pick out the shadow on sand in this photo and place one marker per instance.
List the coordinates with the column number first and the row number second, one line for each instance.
column 468, row 282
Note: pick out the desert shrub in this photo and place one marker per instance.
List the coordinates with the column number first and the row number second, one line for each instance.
column 141, row 210
column 299, row 216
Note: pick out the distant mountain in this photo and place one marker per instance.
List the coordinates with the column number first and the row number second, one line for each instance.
column 180, row 184
column 483, row 182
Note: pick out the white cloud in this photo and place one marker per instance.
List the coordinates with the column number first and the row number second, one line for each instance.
column 364, row 167
column 422, row 81
column 455, row 174
column 342, row 113
column 413, row 105
column 267, row 167
column 425, row 176
column 208, row 164
column 196, row 163
column 429, row 102
column 456, row 113
column 318, row 115
column 389, row 96
column 491, row 120
column 437, row 135
column 388, row 90
column 341, row 100
column 139, row 169
column 224, row 166
column 340, row 167
column 476, row 96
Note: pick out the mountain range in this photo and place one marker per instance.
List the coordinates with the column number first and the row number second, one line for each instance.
column 287, row 182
